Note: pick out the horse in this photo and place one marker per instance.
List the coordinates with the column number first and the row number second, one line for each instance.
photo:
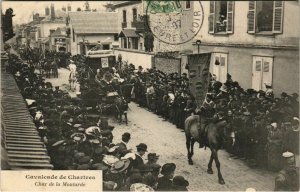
column 121, row 108
column 47, row 69
column 54, row 68
column 214, row 140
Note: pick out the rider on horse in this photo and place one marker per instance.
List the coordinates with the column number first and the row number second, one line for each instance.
column 207, row 114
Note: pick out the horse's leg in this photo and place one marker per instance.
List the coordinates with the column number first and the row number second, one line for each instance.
column 126, row 119
column 120, row 117
column 192, row 146
column 188, row 144
column 209, row 170
column 218, row 165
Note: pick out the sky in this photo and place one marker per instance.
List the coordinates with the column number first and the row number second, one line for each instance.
column 24, row 9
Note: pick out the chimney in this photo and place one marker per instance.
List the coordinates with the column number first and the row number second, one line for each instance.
column 69, row 8
column 52, row 14
column 47, row 11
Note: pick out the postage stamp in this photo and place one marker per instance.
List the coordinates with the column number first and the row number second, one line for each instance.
column 170, row 21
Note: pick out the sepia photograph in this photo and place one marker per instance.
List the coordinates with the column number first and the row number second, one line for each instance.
column 150, row 95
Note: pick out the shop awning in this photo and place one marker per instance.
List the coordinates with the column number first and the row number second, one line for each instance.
column 128, row 33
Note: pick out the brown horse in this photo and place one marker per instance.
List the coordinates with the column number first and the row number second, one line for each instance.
column 214, row 140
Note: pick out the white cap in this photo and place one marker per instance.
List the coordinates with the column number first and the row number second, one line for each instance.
column 287, row 154
column 274, row 125
column 296, row 118
column 250, row 189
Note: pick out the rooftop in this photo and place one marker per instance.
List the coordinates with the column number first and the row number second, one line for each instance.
column 59, row 32
column 118, row 4
column 94, row 22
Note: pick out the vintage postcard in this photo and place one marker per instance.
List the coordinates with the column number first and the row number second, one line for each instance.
column 149, row 95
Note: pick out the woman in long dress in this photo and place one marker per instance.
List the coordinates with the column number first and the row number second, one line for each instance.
column 72, row 76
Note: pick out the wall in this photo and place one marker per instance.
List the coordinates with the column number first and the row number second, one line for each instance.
column 91, row 38
column 286, row 71
column 290, row 35
column 241, row 47
column 129, row 15
column 167, row 65
column 45, row 28
column 285, row 66
column 137, row 58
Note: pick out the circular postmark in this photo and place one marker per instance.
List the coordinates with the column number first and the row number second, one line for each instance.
column 174, row 22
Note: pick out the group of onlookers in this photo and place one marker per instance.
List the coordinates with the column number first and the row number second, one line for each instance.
column 260, row 126
column 77, row 138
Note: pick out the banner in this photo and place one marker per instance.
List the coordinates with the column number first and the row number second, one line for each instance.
column 199, row 75
column 104, row 62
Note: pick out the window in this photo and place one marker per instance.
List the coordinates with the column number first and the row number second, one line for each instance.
column 106, row 47
column 265, row 16
column 116, row 37
column 134, row 15
column 124, row 42
column 73, row 34
column 220, row 66
column 220, row 18
column 262, row 72
column 187, row 4
column 124, row 16
column 135, row 43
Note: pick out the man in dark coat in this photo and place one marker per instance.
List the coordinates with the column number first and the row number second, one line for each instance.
column 165, row 182
column 152, row 164
column 138, row 162
column 180, row 184
column 122, row 149
column 288, row 177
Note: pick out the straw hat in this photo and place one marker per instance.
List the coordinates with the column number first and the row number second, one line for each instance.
column 120, row 166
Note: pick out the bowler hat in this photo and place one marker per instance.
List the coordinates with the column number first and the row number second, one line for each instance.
column 126, row 135
column 180, row 181
column 168, row 168
column 142, row 146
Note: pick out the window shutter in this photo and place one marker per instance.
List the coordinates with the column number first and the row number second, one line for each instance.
column 251, row 17
column 211, row 18
column 230, row 7
column 277, row 16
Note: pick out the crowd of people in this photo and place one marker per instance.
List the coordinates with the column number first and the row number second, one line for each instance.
column 260, row 126
column 77, row 138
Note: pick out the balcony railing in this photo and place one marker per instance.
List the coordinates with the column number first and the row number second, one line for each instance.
column 124, row 24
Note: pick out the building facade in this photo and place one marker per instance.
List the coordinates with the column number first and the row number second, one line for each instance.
column 130, row 24
column 88, row 29
column 257, row 42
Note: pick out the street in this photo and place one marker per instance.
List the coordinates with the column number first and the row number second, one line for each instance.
column 167, row 141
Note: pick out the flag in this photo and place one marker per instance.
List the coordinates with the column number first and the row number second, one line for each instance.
column 199, row 75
